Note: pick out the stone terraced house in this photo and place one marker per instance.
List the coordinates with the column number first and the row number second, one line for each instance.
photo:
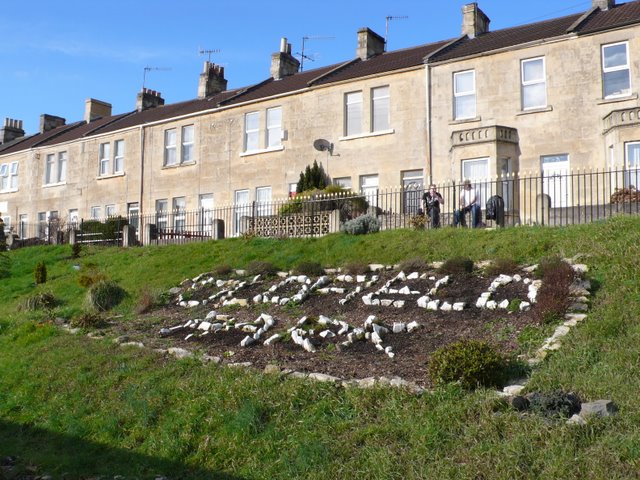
column 546, row 97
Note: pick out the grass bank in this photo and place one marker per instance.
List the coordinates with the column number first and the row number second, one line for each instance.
column 70, row 404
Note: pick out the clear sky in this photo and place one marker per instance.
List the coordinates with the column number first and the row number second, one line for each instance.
column 54, row 55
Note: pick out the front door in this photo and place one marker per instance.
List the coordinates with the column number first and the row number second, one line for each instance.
column 555, row 173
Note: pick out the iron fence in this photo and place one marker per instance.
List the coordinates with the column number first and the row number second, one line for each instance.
column 553, row 200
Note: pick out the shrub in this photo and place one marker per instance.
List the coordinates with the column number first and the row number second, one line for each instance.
column 457, row 266
column 87, row 320
column 415, row 264
column 356, row 268
column 39, row 301
column 223, row 270
column 418, row 222
column 76, row 248
column 91, row 278
column 554, row 404
column 313, row 177
column 40, row 273
column 309, row 268
column 473, row 363
column 259, row 267
column 554, row 294
column 499, row 266
column 146, row 300
column 104, row 295
column 361, row 225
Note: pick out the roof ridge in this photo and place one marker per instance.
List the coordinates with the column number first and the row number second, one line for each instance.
column 110, row 122
column 242, row 91
column 70, row 127
column 583, row 18
column 332, row 71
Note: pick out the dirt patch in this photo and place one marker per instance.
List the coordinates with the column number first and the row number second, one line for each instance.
column 340, row 299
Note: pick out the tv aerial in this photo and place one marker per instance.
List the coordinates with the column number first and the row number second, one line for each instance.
column 148, row 69
column 388, row 18
column 304, row 40
column 202, row 51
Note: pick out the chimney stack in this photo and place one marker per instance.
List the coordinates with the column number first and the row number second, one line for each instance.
column 474, row 21
column 603, row 4
column 148, row 98
column 12, row 129
column 95, row 109
column 370, row 44
column 283, row 63
column 212, row 80
column 49, row 122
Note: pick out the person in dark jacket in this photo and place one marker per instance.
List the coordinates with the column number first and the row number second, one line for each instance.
column 431, row 201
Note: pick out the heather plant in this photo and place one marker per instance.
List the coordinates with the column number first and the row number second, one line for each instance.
column 553, row 297
column 362, row 225
column 104, row 295
column 356, row 268
column 415, row 264
column 89, row 319
column 40, row 273
column 39, row 301
column 309, row 268
column 500, row 266
column 259, row 267
column 456, row 266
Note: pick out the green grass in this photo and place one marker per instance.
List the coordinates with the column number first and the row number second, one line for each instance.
column 84, row 407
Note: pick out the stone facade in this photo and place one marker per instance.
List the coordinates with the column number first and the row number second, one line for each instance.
column 222, row 147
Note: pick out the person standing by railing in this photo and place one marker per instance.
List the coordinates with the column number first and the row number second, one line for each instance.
column 469, row 202
column 431, row 201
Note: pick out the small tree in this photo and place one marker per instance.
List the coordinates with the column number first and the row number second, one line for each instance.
column 313, row 178
column 40, row 273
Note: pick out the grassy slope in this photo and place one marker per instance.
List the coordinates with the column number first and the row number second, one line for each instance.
column 87, row 407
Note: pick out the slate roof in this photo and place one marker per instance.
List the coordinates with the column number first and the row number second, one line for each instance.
column 586, row 23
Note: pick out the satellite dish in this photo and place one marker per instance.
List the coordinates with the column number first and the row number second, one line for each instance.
column 323, row 145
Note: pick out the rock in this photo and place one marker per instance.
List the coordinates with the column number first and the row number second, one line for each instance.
column 164, row 332
column 366, row 299
column 513, row 389
column 379, row 329
column 399, row 327
column 257, row 299
column 481, row 302
column 386, row 302
column 578, row 317
column 433, row 305
column 525, row 306
column 423, row 301
column 297, row 337
column 412, row 326
column 321, row 377
column 580, row 268
column 180, row 352
column 405, row 291
column 446, row 307
column 578, row 307
column 368, row 382
column 239, row 365
column 459, row 306
column 204, row 326
column 400, row 277
column 271, row 369
column 327, row 334
column 192, row 303
column 530, row 269
column 519, row 403
column 361, row 278
column 576, row 420
column 188, row 336
column 210, row 359
column 413, row 276
column 273, row 339
column 376, row 267
column 308, row 346
column 599, row 408
column 376, row 338
column 211, row 315
column 248, row 340
column 491, row 305
column 132, row 344
column 504, row 304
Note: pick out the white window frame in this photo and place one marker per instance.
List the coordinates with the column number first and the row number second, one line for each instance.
column 632, row 165
column 380, row 109
column 532, row 84
column 251, row 133
column 179, row 208
column 353, row 114
column 187, row 137
column 462, row 95
column 49, row 168
column 241, row 208
column 62, row 167
column 274, row 127
column 110, row 210
column 369, row 185
column 96, row 212
column 162, row 205
column 118, row 156
column 608, row 70
column 344, row 182
column 263, row 201
column 13, row 176
column 170, row 147
column 4, row 177
column 105, row 159
column 480, row 182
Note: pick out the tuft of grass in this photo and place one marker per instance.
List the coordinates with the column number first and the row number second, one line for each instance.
column 356, row 268
column 456, row 266
column 39, row 301
column 260, row 267
column 414, row 264
column 89, row 319
column 506, row 266
column 104, row 295
column 309, row 268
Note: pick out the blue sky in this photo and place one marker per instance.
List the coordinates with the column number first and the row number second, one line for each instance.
column 54, row 55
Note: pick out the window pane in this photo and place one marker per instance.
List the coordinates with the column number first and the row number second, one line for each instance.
column 187, row 143
column 118, row 161
column 380, row 109
column 274, row 127
column 48, row 176
column 534, row 95
column 62, row 166
column 344, row 182
column 354, row 113
column 263, row 197
column 3, row 169
column 533, row 70
column 465, row 106
column 251, row 129
column 615, row 55
column 464, row 82
column 616, row 83
column 170, row 147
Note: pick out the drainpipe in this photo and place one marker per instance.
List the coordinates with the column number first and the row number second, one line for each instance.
column 430, row 138
column 140, row 207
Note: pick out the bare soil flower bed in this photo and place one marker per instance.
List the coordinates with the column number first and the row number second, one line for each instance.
column 361, row 359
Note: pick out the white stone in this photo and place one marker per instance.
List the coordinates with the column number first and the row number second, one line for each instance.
column 530, row 269
column 517, row 277
column 182, row 304
column 379, row 347
column 337, row 290
column 344, row 327
column 412, row 326
column 211, row 315
column 413, row 276
column 525, row 306
column 179, row 352
column 283, row 301
column 423, row 301
column 327, row 334
column 398, row 303
column 459, row 306
column 446, row 307
column 215, row 327
column 405, row 291
column 398, row 327
column 358, row 333
column 578, row 307
column 433, row 305
column 504, row 304
column 361, row 278
column 388, row 349
column 308, row 346
column 576, row 420
column 246, row 341
column 322, row 377
column 391, row 354
column 273, row 339
column 302, row 279
column 257, row 298
column 491, row 305
column 561, row 331
column 400, row 277
column 348, row 279
column 578, row 317
column 513, row 389
column 204, row 326
column 386, row 302
column 375, row 301
column 379, row 329
column 442, row 281
column 249, row 328
column 580, row 268
column 302, row 321
column 369, row 321
column 376, row 338
column 322, row 320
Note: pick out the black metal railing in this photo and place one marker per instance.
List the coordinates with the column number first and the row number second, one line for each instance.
column 552, row 200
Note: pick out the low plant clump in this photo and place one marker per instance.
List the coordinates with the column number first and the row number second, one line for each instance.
column 39, row 301
column 456, row 266
column 361, row 225
column 104, row 295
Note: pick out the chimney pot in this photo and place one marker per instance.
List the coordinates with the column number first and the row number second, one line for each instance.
column 12, row 130
column 148, row 98
column 212, row 80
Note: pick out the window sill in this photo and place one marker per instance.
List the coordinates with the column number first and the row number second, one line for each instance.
column 604, row 101
column 465, row 120
column 9, row 190
column 262, row 150
column 548, row 108
column 367, row 135
column 105, row 177
column 178, row 165
column 50, row 185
